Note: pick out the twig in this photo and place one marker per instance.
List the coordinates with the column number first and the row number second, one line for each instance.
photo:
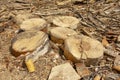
column 22, row 8
column 2, row 10
column 51, row 12
column 20, row 1
column 84, row 22
column 107, row 65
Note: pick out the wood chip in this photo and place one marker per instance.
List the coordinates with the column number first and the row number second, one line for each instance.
column 97, row 77
column 33, row 24
column 82, row 69
column 59, row 34
column 105, row 42
column 66, row 21
column 28, row 42
column 82, row 47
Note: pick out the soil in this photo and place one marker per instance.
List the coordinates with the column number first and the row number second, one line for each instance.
column 98, row 19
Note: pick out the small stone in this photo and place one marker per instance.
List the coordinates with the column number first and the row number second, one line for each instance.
column 82, row 69
column 33, row 24
column 66, row 21
column 63, row 72
column 96, row 69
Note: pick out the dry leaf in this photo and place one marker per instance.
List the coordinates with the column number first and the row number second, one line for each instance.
column 117, row 68
column 105, row 42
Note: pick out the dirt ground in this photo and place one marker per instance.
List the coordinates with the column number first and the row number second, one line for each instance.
column 98, row 19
